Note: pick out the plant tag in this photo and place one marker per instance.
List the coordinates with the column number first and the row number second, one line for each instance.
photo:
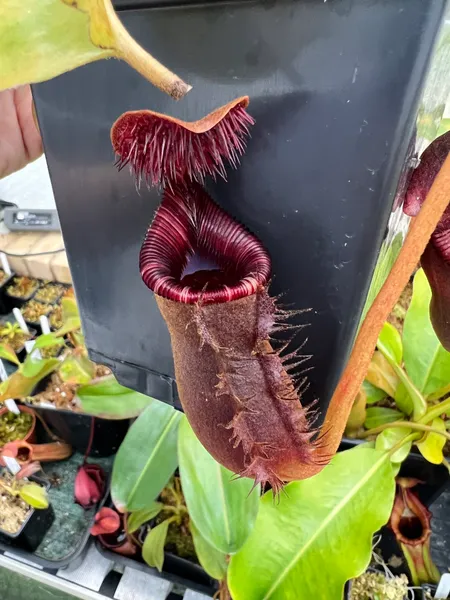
column 5, row 263
column 12, row 406
column 29, row 345
column 11, row 464
column 19, row 318
column 3, row 373
column 45, row 326
column 443, row 589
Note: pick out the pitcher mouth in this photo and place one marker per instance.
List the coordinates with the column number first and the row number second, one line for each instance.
column 190, row 224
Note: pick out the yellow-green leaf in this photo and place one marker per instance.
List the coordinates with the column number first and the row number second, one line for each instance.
column 7, row 352
column 391, row 342
column 153, row 548
column 212, row 560
column 382, row 375
column 138, row 518
column 432, row 443
column 40, row 39
column 34, row 495
column 388, row 438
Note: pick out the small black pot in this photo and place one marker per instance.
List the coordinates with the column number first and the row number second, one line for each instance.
column 58, row 298
column 13, row 301
column 75, row 429
column 434, row 478
column 34, row 527
column 36, row 325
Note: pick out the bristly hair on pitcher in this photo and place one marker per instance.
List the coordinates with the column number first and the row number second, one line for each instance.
column 160, row 149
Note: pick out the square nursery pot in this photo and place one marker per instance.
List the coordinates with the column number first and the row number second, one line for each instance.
column 34, row 527
column 434, row 478
column 21, row 352
column 178, row 570
column 75, row 428
column 36, row 325
column 14, row 301
column 57, row 298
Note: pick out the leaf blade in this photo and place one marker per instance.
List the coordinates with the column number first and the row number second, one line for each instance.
column 426, row 361
column 153, row 548
column 138, row 518
column 330, row 505
column 146, row 459
column 224, row 513
column 212, row 560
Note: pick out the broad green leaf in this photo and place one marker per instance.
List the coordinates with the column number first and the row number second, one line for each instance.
column 386, row 258
column 379, row 415
column 403, row 400
column 32, row 367
column 373, row 394
column 319, row 535
column 213, row 561
column 7, row 352
column 153, row 548
column 77, row 369
column 146, row 459
column 388, row 438
column 70, row 315
column 381, row 375
column 390, row 343
column 19, row 386
column 443, row 127
column 106, row 398
column 221, row 509
column 432, row 445
column 426, row 361
column 34, row 495
column 138, row 518
column 42, row 39
column 47, row 341
column 417, row 400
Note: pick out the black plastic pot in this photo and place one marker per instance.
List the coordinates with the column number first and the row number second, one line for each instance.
column 36, row 324
column 57, row 299
column 34, row 527
column 434, row 478
column 13, row 301
column 176, row 569
column 75, row 429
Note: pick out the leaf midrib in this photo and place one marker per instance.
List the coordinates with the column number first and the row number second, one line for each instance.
column 324, row 524
column 150, row 458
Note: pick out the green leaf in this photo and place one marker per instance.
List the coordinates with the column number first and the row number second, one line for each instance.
column 403, row 400
column 213, row 561
column 318, row 536
column 70, row 315
column 7, row 352
column 106, row 398
column 390, row 343
column 426, row 361
column 432, row 444
column 373, row 394
column 418, row 401
column 19, row 386
column 146, row 459
column 221, row 509
column 34, row 495
column 381, row 375
column 388, row 438
column 138, row 518
column 390, row 249
column 47, row 341
column 77, row 369
column 378, row 415
column 153, row 548
column 42, row 39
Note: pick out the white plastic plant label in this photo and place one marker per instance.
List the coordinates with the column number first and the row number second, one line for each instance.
column 45, row 326
column 443, row 589
column 29, row 345
column 19, row 318
column 12, row 406
column 11, row 464
column 5, row 263
column 3, row 373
